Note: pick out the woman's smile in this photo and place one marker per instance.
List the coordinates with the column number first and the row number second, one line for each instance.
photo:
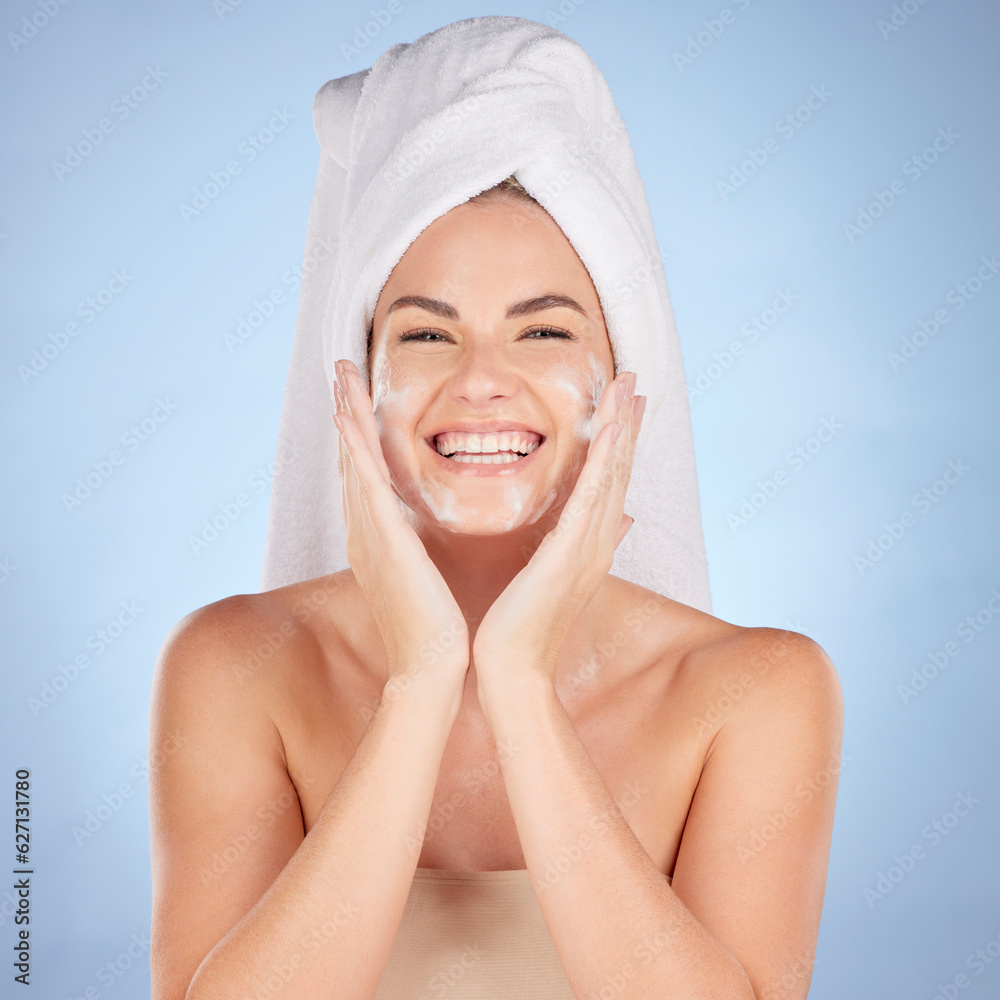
column 492, row 457
column 488, row 357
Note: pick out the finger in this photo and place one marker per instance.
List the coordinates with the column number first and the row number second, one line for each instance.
column 608, row 512
column 360, row 405
column 579, row 523
column 341, row 450
column 349, row 499
column 607, row 406
column 627, row 523
column 608, row 520
column 638, row 411
column 589, row 521
column 373, row 489
column 620, row 472
column 357, row 516
column 629, row 415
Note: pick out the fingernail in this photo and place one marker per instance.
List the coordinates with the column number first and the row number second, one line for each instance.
column 616, row 433
column 630, row 382
column 640, row 407
column 620, row 394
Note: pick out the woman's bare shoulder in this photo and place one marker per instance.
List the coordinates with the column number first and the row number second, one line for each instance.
column 745, row 677
column 250, row 639
column 715, row 664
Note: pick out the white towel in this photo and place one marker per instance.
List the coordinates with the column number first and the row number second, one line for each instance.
column 431, row 124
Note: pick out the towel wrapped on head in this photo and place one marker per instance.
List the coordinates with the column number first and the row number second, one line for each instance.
column 430, row 125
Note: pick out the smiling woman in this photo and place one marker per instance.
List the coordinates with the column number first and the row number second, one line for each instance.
column 519, row 346
column 474, row 754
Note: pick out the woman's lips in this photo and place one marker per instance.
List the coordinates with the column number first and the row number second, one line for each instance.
column 473, row 469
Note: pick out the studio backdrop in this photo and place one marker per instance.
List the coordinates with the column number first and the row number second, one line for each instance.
column 823, row 183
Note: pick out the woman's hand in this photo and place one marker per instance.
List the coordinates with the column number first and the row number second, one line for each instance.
column 423, row 629
column 525, row 627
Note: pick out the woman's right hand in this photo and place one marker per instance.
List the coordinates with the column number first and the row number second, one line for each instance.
column 423, row 629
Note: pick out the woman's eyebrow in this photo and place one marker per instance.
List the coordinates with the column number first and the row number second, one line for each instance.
column 445, row 309
column 522, row 308
column 540, row 302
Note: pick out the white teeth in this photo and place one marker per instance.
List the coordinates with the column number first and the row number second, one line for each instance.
column 458, row 443
column 498, row 458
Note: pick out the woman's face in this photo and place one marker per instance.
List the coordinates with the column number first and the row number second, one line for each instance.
column 488, row 341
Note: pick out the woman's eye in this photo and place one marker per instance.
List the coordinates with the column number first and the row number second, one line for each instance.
column 551, row 331
column 537, row 333
column 419, row 335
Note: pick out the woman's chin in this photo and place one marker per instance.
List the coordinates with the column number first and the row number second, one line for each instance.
column 493, row 523
column 489, row 524
column 516, row 508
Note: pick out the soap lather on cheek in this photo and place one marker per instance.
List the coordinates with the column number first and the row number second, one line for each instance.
column 445, row 513
column 379, row 382
column 598, row 383
column 517, row 495
column 386, row 400
column 567, row 379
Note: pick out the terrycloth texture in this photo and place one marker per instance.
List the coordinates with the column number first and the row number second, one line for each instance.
column 431, row 124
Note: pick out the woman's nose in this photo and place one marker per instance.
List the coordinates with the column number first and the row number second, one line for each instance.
column 483, row 374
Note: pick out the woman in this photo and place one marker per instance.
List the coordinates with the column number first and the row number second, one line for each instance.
column 476, row 761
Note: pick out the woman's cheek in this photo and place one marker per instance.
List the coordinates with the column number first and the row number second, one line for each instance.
column 394, row 421
column 596, row 385
column 581, row 390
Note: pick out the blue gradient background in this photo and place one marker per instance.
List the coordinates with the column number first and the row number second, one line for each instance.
column 791, row 565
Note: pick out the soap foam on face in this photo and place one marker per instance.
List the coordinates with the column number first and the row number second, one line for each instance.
column 598, row 383
column 566, row 378
column 446, row 513
column 441, row 500
column 390, row 402
column 380, row 380
column 517, row 495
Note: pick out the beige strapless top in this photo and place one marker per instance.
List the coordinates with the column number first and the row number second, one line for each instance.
column 473, row 936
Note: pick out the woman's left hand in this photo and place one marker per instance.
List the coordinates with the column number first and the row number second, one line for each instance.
column 524, row 629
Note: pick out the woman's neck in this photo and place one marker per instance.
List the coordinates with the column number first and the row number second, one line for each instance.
column 477, row 568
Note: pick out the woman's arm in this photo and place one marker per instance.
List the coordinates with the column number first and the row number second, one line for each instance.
column 242, row 902
column 740, row 919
